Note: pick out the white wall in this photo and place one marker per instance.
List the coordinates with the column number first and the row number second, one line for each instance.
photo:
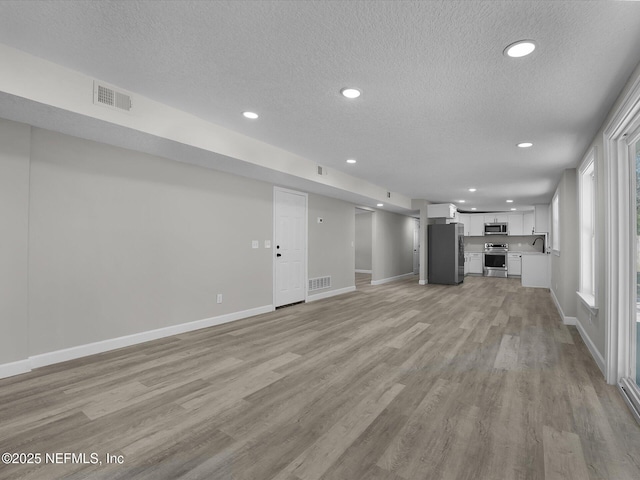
column 102, row 243
column 594, row 326
column 331, row 243
column 392, row 248
column 14, row 207
column 122, row 242
column 565, row 267
column 364, row 240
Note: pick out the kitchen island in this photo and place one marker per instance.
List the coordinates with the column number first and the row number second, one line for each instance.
column 535, row 270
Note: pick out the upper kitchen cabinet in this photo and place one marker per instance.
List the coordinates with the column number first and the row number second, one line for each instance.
column 442, row 210
column 463, row 218
column 516, row 225
column 496, row 218
column 528, row 223
column 476, row 225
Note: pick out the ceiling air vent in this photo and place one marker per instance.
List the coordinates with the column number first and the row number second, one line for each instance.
column 388, row 194
column 110, row 97
column 321, row 170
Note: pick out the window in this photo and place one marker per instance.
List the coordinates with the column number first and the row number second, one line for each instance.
column 586, row 222
column 555, row 224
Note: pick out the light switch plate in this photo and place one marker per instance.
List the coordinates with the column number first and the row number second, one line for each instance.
column 255, row 244
column 267, row 244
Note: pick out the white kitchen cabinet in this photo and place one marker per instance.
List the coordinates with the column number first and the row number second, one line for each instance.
column 535, row 270
column 528, row 223
column 442, row 210
column 466, row 263
column 476, row 225
column 475, row 263
column 515, row 224
column 463, row 218
column 514, row 264
column 496, row 218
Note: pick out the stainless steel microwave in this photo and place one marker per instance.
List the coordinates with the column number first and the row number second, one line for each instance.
column 496, row 228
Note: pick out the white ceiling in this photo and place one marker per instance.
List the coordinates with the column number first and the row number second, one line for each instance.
column 441, row 110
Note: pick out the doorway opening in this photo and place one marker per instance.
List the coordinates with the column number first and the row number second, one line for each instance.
column 363, row 247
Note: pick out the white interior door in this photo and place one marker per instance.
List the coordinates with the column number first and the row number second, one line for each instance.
column 290, row 212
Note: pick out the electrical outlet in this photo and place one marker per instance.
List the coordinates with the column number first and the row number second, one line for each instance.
column 267, row 244
column 219, row 299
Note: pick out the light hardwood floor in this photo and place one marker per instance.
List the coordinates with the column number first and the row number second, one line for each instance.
column 397, row 381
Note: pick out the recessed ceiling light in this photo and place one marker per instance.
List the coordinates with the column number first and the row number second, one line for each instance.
column 509, row 201
column 513, row 209
column 462, row 201
column 521, row 48
column 250, row 115
column 472, row 189
column 525, row 145
column 351, row 160
column 473, row 208
column 380, row 205
column 350, row 92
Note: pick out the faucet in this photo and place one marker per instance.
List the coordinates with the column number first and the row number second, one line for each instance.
column 539, row 238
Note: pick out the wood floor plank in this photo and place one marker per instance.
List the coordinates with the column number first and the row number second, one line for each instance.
column 407, row 336
column 314, row 461
column 397, row 450
column 507, row 358
column 563, row 458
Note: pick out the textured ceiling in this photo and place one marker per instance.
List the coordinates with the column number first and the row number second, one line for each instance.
column 441, row 107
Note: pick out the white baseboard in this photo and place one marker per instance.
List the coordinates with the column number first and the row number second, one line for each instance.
column 14, row 368
column 72, row 353
column 566, row 320
column 363, row 271
column 422, row 282
column 330, row 293
column 597, row 356
column 391, row 279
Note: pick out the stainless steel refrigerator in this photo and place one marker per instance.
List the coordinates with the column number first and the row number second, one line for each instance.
column 446, row 253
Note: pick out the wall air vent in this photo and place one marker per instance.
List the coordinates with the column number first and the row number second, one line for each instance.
column 110, row 97
column 319, row 283
column 321, row 170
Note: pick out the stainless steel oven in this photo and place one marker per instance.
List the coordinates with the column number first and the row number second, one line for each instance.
column 495, row 259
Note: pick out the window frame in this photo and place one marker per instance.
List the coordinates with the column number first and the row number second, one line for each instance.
column 587, row 240
column 555, row 223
